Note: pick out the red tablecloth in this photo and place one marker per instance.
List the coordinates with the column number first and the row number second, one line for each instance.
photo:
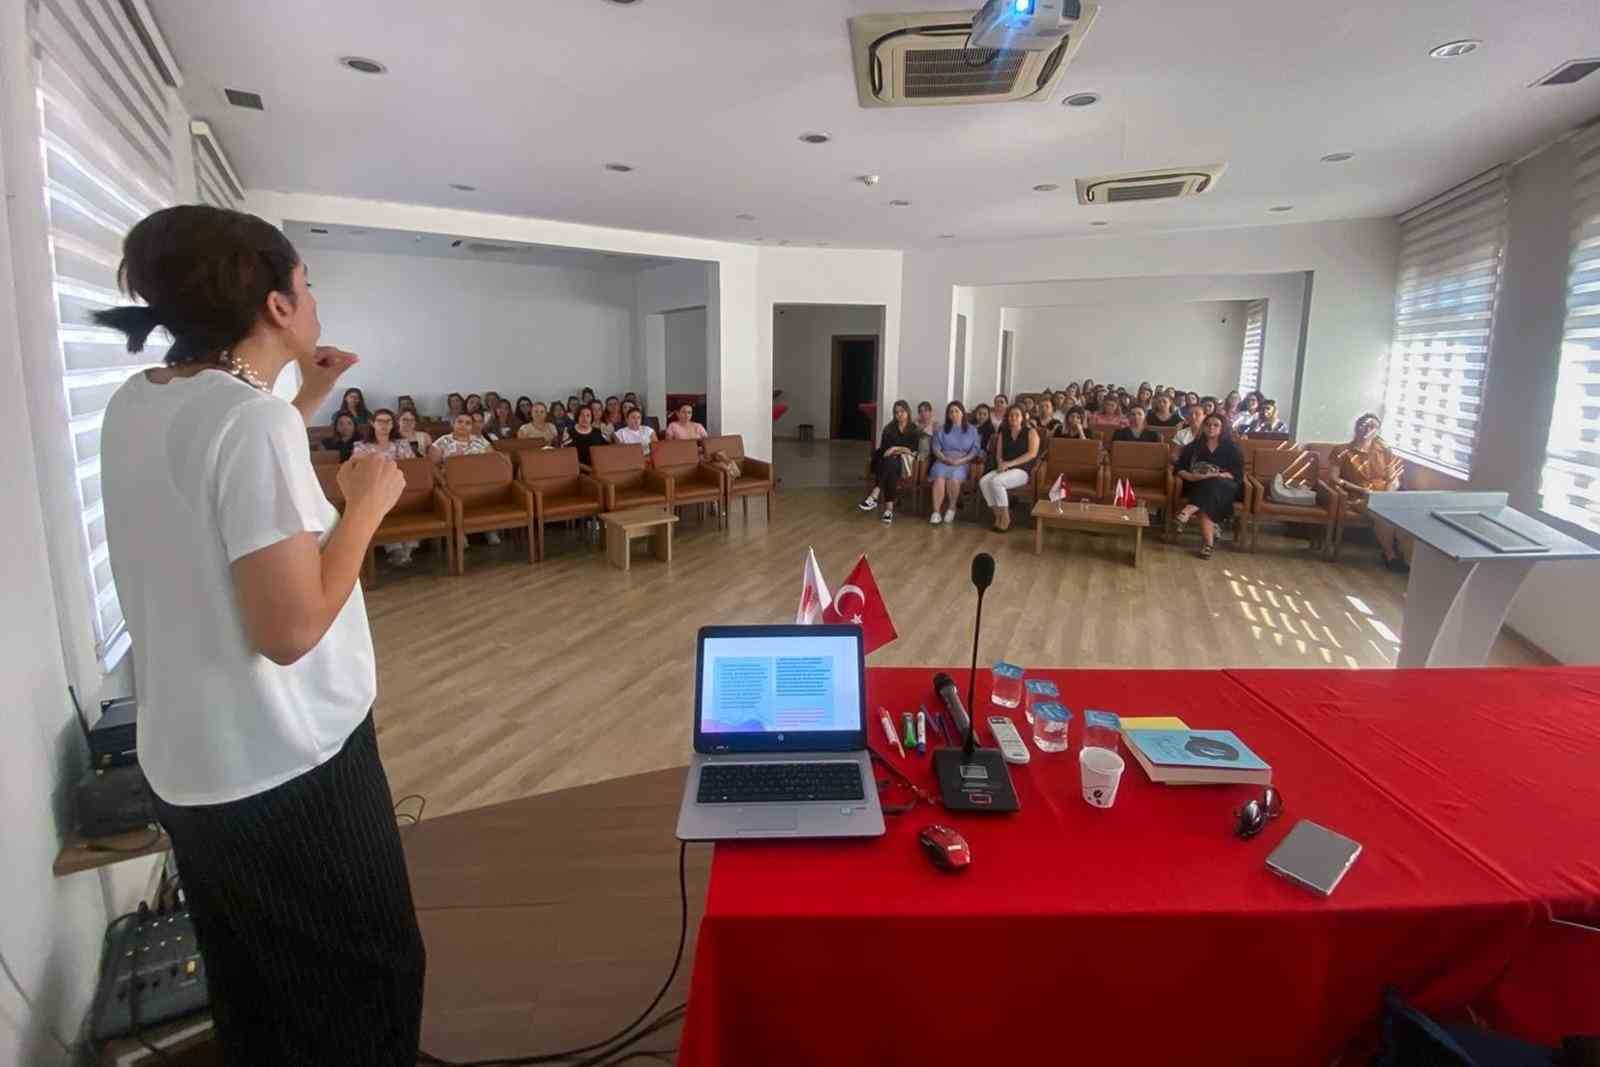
column 1143, row 934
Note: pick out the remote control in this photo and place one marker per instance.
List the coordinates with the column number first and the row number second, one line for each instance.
column 1005, row 734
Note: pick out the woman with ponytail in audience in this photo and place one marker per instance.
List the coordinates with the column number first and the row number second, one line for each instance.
column 239, row 582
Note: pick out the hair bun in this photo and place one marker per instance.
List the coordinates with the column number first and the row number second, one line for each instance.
column 135, row 320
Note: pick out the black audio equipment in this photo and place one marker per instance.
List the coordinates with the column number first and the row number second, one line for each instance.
column 152, row 973
column 114, row 801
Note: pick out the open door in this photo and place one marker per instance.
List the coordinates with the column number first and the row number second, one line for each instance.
column 855, row 378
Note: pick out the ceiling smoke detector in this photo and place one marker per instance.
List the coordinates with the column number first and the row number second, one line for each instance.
column 362, row 65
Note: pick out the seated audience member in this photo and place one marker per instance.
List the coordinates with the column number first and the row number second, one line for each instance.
column 416, row 441
column 1208, row 404
column 540, row 427
column 892, row 460
column 1190, row 400
column 559, row 417
column 1109, row 417
column 997, row 413
column 385, row 443
column 345, row 436
column 1266, row 420
column 1230, row 407
column 631, row 397
column 1247, row 412
column 1016, row 450
column 455, row 404
column 984, row 424
column 499, row 426
column 1060, row 401
column 586, row 395
column 1189, row 432
column 572, row 406
column 613, row 412
column 1137, row 430
column 584, row 434
column 1212, row 470
column 636, row 432
column 1086, row 388
column 491, row 400
column 1094, row 400
column 683, row 427
column 1077, row 427
column 1070, row 400
column 1367, row 465
column 354, row 404
column 404, row 403
column 1050, row 419
column 1164, row 416
column 524, row 411
column 1144, row 398
column 597, row 418
column 955, row 445
column 462, row 440
column 478, row 422
column 926, row 427
column 1030, row 408
column 474, row 404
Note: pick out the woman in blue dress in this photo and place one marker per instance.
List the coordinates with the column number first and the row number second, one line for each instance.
column 955, row 446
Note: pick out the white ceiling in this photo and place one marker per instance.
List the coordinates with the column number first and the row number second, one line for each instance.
column 339, row 238
column 706, row 98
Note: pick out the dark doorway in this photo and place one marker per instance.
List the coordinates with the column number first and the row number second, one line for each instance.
column 855, row 380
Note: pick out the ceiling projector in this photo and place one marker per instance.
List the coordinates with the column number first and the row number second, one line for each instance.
column 1024, row 25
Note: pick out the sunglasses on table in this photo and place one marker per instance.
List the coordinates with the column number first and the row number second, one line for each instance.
column 1251, row 818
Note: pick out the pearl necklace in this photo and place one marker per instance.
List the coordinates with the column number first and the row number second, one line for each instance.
column 242, row 370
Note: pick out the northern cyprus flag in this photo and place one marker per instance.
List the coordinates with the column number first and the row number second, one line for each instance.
column 814, row 598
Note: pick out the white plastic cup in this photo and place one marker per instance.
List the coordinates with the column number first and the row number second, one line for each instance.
column 1101, row 771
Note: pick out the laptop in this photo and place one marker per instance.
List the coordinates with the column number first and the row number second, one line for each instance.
column 780, row 736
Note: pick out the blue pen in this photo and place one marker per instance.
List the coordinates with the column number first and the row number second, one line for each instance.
column 922, row 731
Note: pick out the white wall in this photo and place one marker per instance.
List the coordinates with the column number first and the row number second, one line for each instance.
column 429, row 326
column 1348, row 333
column 685, row 340
column 1196, row 345
column 802, row 359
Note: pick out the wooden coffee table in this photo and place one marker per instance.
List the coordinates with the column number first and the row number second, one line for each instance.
column 623, row 526
column 1098, row 518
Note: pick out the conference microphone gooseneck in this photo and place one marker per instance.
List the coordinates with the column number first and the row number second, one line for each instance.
column 972, row 778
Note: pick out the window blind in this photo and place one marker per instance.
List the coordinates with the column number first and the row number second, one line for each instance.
column 215, row 182
column 1255, row 336
column 1569, row 484
column 1450, row 257
column 106, row 147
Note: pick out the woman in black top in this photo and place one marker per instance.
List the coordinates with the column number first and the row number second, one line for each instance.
column 345, row 436
column 1137, row 428
column 898, row 441
column 1016, row 450
column 354, row 404
column 584, row 435
column 1164, row 414
column 1212, row 469
column 1077, row 428
column 985, row 425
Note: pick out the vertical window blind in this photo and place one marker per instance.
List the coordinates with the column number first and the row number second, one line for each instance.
column 1450, row 258
column 215, row 183
column 106, row 147
column 1255, row 336
column 1569, row 485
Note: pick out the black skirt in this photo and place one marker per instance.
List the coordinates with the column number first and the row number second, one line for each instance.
column 1214, row 496
column 302, row 909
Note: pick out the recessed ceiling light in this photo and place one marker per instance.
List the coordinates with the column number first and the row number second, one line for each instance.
column 363, row 65
column 319, row 229
column 1452, row 49
column 1282, row 207
column 1099, row 222
column 1082, row 100
column 619, row 168
column 461, row 187
column 946, row 236
column 1047, row 187
column 899, row 203
column 1338, row 157
column 815, row 138
column 745, row 217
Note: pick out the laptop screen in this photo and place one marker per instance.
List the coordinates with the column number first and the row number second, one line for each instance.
column 776, row 688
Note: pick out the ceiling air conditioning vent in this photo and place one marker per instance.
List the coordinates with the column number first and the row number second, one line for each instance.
column 920, row 59
column 1148, row 185
column 479, row 248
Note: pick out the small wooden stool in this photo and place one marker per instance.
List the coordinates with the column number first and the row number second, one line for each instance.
column 623, row 526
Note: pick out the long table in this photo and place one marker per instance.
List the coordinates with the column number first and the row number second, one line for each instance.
column 1145, row 933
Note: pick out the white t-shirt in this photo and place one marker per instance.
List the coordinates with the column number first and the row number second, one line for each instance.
column 644, row 435
column 198, row 473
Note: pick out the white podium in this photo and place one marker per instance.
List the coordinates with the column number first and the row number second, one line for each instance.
column 1461, row 587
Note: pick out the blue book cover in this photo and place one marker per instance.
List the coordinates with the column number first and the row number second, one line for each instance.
column 1217, row 749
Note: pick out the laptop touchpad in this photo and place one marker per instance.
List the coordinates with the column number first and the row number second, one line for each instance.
column 768, row 819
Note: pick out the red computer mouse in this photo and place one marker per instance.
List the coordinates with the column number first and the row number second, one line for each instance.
column 946, row 849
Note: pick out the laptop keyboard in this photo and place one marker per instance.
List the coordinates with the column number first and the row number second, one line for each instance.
column 747, row 783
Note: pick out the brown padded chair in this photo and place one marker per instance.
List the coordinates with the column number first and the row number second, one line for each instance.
column 423, row 512
column 1080, row 461
column 625, row 478
column 689, row 479
column 325, row 457
column 560, row 491
column 1143, row 465
column 485, row 498
column 1302, row 468
column 1252, row 447
column 756, row 476
column 329, row 477
column 515, row 448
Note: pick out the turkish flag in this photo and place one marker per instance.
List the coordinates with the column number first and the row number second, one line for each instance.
column 858, row 602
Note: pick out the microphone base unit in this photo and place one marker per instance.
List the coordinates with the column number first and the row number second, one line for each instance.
column 982, row 783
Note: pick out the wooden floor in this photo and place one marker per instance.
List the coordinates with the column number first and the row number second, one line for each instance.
column 517, row 679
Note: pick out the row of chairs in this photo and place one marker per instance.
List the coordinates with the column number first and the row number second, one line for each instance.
column 524, row 488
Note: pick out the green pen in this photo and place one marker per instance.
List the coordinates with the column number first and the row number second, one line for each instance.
column 908, row 727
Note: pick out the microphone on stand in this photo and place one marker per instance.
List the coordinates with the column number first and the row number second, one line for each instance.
column 972, row 778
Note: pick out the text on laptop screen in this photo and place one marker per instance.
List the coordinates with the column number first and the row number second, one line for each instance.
column 779, row 685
